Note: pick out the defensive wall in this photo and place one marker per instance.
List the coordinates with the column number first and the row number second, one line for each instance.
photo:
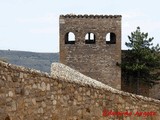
column 66, row 94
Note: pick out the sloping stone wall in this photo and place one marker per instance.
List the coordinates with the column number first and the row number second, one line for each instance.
column 27, row 94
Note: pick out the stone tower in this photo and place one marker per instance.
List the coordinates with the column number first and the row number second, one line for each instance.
column 91, row 44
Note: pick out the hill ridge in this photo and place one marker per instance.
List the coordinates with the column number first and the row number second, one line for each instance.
column 35, row 60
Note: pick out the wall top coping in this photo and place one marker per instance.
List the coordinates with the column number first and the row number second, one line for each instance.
column 89, row 16
column 23, row 69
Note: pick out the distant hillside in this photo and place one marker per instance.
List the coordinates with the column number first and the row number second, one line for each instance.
column 39, row 61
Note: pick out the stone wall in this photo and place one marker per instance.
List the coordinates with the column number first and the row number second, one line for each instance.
column 144, row 89
column 27, row 94
column 96, row 58
column 154, row 92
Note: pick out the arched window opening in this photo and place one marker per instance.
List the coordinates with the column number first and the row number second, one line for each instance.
column 70, row 38
column 111, row 38
column 90, row 38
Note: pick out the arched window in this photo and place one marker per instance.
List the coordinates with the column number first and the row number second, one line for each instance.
column 111, row 38
column 90, row 38
column 70, row 38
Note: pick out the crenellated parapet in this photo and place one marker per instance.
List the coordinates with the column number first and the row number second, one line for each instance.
column 89, row 16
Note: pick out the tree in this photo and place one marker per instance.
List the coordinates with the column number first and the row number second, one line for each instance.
column 142, row 59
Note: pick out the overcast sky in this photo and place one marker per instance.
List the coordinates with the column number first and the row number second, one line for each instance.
column 33, row 25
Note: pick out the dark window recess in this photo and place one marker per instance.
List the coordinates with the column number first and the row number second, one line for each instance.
column 70, row 38
column 111, row 38
column 90, row 38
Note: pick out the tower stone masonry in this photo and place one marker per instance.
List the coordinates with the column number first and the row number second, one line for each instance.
column 91, row 44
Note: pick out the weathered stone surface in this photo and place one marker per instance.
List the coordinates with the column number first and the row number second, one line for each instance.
column 71, row 96
column 2, row 83
column 54, row 102
column 43, row 86
column 34, row 86
column 18, row 91
column 34, row 101
column 48, row 87
column 97, row 58
column 40, row 110
column 10, row 94
column 2, row 110
column 154, row 92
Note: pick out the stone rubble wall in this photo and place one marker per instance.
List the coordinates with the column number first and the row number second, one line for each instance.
column 27, row 94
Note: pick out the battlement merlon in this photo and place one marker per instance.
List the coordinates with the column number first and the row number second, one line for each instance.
column 89, row 16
